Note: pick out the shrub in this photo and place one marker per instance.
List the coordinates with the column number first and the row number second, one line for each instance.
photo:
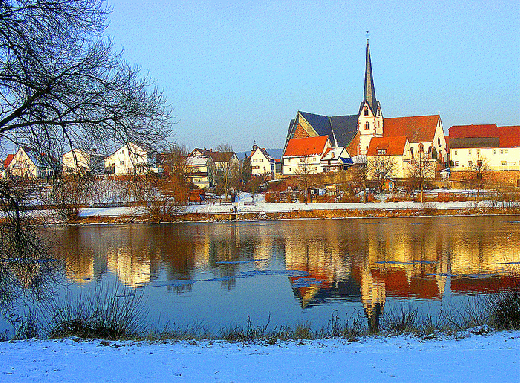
column 105, row 314
column 505, row 310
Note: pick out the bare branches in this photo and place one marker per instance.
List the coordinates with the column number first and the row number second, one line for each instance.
column 61, row 83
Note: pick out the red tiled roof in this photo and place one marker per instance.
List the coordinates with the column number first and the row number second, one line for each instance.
column 8, row 160
column 298, row 147
column 393, row 146
column 473, row 131
column 509, row 136
column 415, row 128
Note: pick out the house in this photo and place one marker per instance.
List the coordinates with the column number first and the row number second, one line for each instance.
column 198, row 170
column 494, row 148
column 355, row 132
column 424, row 133
column 303, row 155
column 335, row 159
column 261, row 162
column 129, row 159
column 204, row 166
column 390, row 155
column 28, row 163
column 84, row 162
column 223, row 161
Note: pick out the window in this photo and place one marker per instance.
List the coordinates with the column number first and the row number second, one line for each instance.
column 365, row 111
column 469, row 151
column 478, row 152
column 438, row 141
column 494, row 151
column 367, row 125
column 501, row 151
column 504, row 163
column 381, row 151
column 456, row 163
column 470, row 163
column 455, row 153
column 505, row 151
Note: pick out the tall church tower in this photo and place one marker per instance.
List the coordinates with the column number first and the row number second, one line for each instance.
column 370, row 118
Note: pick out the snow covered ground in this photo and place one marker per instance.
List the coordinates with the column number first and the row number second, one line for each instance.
column 477, row 358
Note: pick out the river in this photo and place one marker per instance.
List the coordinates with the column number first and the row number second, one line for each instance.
column 283, row 273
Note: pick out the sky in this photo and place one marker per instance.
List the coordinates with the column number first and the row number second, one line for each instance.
column 237, row 72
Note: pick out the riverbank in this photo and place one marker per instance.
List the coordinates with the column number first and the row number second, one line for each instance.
column 261, row 210
column 474, row 358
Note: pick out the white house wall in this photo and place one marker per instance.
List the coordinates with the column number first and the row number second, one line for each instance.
column 260, row 165
column 493, row 158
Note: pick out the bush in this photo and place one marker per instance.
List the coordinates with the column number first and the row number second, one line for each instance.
column 505, row 310
column 105, row 314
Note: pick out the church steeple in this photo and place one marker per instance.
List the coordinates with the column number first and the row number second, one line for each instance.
column 370, row 91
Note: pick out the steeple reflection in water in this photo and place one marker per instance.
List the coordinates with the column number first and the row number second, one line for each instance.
column 301, row 271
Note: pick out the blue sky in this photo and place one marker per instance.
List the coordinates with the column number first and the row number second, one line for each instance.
column 238, row 71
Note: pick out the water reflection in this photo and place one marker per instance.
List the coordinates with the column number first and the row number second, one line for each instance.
column 327, row 263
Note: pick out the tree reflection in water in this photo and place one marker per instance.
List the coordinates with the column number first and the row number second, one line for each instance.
column 190, row 271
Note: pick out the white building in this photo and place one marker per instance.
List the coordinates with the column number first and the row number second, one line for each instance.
column 82, row 161
column 261, row 162
column 27, row 163
column 486, row 146
column 129, row 159
column 303, row 155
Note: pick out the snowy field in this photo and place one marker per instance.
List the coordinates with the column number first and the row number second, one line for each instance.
column 476, row 358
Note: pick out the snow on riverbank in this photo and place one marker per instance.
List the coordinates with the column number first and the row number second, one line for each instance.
column 490, row 358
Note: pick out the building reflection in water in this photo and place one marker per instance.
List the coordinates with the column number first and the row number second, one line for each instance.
column 363, row 261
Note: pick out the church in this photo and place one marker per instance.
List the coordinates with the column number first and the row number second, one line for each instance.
column 424, row 135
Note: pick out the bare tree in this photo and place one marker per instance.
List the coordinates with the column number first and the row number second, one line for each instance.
column 418, row 171
column 478, row 170
column 360, row 178
column 62, row 85
column 380, row 168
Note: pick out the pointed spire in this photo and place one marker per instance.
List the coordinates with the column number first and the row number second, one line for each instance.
column 370, row 91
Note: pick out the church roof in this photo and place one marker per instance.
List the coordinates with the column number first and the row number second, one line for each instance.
column 393, row 146
column 370, row 90
column 298, row 147
column 415, row 128
column 342, row 128
column 320, row 124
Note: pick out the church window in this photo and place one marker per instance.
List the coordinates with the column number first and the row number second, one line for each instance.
column 367, row 125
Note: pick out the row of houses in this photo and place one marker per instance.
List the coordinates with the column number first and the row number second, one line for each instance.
column 128, row 159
